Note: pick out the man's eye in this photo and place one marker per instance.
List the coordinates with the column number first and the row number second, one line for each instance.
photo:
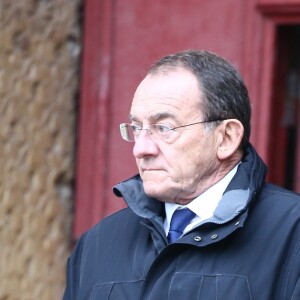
column 163, row 128
column 135, row 128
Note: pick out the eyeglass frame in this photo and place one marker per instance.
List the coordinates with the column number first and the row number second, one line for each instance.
column 126, row 125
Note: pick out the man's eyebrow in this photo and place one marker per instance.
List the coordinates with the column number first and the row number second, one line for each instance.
column 155, row 117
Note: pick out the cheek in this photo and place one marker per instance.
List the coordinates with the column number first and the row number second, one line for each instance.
column 194, row 157
column 186, row 160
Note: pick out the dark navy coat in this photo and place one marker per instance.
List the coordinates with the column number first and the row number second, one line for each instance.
column 248, row 250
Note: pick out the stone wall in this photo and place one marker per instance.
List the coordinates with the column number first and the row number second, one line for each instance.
column 39, row 67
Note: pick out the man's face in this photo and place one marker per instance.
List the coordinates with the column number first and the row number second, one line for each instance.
column 184, row 166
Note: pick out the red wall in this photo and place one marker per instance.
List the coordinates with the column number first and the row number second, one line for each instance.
column 122, row 38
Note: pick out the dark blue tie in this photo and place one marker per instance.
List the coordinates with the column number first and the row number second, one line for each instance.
column 180, row 219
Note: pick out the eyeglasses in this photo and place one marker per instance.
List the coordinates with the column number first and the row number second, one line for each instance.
column 130, row 132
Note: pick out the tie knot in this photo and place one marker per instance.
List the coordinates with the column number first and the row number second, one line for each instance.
column 180, row 219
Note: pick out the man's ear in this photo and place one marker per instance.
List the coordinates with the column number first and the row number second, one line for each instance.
column 230, row 134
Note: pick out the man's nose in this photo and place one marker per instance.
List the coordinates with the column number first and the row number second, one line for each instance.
column 144, row 145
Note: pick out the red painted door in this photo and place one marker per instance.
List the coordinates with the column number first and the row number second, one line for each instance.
column 121, row 39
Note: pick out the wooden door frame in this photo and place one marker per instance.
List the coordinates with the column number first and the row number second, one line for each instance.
column 262, row 21
column 94, row 105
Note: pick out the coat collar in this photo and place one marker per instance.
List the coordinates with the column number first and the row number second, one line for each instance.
column 236, row 199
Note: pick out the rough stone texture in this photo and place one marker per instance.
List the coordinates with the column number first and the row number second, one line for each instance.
column 39, row 59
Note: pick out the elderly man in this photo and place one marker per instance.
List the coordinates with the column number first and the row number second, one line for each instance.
column 201, row 221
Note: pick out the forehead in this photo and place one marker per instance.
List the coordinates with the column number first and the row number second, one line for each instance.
column 170, row 93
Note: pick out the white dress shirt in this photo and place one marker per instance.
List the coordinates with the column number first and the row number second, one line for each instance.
column 203, row 206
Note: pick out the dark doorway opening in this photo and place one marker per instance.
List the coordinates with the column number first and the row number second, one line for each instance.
column 284, row 150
